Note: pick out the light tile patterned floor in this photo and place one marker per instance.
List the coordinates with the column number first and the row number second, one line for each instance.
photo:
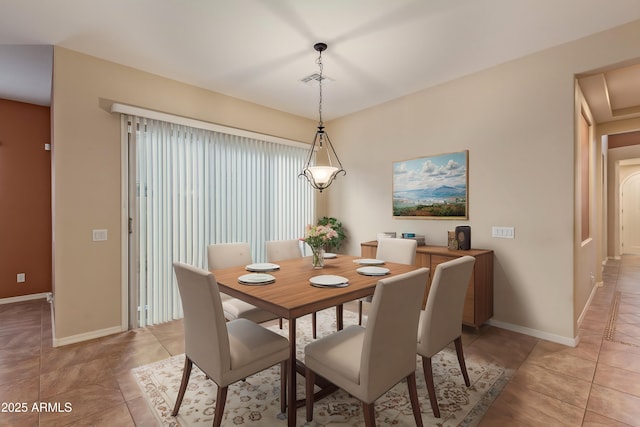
column 596, row 383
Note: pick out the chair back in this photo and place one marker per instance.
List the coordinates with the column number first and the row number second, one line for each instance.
column 279, row 250
column 223, row 255
column 402, row 251
column 389, row 348
column 441, row 322
column 206, row 339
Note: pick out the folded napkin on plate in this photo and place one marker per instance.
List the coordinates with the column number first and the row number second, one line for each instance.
column 256, row 279
column 329, row 281
column 263, row 266
column 373, row 271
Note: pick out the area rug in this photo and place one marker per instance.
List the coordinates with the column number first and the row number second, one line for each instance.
column 255, row 402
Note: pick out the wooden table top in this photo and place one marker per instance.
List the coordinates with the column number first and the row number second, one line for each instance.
column 292, row 296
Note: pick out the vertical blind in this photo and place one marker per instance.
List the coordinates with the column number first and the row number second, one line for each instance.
column 197, row 187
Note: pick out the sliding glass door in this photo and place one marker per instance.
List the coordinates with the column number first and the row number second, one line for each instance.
column 191, row 187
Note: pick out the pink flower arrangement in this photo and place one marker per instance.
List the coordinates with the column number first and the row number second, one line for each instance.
column 316, row 236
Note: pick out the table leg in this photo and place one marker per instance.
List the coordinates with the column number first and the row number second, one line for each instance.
column 291, row 377
column 339, row 317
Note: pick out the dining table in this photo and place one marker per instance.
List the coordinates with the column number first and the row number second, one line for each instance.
column 291, row 295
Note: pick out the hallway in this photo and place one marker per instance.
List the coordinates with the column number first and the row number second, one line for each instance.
column 596, row 383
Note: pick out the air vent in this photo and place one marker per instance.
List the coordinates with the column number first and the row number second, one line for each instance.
column 314, row 78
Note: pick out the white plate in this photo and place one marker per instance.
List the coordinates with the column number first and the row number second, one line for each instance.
column 373, row 271
column 263, row 266
column 329, row 280
column 369, row 261
column 256, row 279
column 329, row 255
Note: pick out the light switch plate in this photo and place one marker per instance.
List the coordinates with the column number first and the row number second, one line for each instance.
column 503, row 232
column 99, row 235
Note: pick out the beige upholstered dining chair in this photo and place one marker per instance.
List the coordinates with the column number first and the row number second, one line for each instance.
column 401, row 251
column 441, row 320
column 225, row 351
column 223, row 255
column 368, row 361
column 279, row 250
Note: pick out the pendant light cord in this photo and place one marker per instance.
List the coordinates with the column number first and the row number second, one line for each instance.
column 319, row 62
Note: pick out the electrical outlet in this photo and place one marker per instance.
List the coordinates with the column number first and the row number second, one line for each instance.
column 21, row 278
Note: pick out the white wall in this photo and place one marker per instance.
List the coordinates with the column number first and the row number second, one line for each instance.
column 517, row 121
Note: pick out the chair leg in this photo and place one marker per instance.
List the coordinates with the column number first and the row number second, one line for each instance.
column 369, row 414
column 186, row 373
column 413, row 396
column 360, row 312
column 310, row 377
column 221, row 399
column 463, row 366
column 280, row 322
column 283, row 386
column 428, row 378
column 313, row 324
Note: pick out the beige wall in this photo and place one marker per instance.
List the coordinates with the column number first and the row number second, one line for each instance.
column 586, row 267
column 628, row 170
column 87, row 175
column 517, row 121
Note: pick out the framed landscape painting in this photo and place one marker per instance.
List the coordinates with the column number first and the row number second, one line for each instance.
column 433, row 187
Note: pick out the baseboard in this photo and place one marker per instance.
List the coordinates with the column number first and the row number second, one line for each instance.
column 571, row 342
column 588, row 303
column 23, row 298
column 58, row 342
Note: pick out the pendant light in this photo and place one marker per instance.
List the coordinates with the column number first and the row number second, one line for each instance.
column 320, row 176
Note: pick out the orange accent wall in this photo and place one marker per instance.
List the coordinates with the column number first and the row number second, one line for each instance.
column 624, row 139
column 25, row 198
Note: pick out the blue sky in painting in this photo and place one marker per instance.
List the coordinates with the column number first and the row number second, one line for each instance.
column 429, row 173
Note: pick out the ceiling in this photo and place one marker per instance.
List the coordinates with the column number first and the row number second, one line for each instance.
column 260, row 50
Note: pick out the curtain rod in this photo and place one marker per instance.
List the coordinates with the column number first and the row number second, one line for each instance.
column 172, row 118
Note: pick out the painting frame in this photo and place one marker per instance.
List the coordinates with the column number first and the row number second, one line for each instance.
column 431, row 187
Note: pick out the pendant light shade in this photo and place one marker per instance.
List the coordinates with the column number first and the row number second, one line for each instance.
column 323, row 169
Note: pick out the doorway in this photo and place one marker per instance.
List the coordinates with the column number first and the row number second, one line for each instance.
column 630, row 214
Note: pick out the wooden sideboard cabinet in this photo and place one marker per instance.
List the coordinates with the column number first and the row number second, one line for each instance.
column 478, row 304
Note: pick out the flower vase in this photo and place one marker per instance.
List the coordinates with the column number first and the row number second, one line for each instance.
column 317, row 258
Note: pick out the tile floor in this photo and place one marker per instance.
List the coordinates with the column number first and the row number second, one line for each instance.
column 595, row 384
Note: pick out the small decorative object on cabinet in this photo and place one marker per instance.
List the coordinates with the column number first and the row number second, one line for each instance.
column 478, row 303
column 452, row 241
column 463, row 235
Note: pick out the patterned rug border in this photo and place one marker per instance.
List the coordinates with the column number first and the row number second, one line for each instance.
column 474, row 416
column 157, row 394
